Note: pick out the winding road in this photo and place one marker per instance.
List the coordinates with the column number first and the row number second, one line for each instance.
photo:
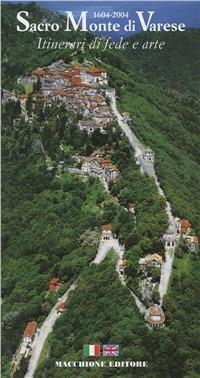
column 148, row 168
column 44, row 332
column 106, row 246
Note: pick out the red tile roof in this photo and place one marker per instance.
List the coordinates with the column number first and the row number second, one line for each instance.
column 55, row 284
column 106, row 227
column 39, row 72
column 30, row 329
column 61, row 92
column 95, row 70
column 54, row 281
column 184, row 225
column 61, row 307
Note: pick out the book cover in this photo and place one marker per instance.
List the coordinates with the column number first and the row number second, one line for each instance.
column 100, row 189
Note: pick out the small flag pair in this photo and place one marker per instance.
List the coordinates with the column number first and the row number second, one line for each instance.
column 95, row 350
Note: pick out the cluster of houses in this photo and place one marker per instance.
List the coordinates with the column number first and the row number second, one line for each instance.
column 98, row 165
column 81, row 88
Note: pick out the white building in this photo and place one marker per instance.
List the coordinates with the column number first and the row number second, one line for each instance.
column 153, row 260
column 106, row 232
column 193, row 243
column 155, row 316
column 94, row 75
column 170, row 238
column 149, row 155
column 90, row 126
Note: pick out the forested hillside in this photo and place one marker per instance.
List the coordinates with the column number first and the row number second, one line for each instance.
column 160, row 92
column 19, row 52
column 51, row 222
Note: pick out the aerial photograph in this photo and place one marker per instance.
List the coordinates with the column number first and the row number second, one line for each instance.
column 100, row 155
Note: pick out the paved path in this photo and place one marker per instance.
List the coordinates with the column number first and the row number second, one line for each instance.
column 44, row 332
column 166, row 273
column 134, row 141
column 138, row 303
column 148, row 168
column 105, row 247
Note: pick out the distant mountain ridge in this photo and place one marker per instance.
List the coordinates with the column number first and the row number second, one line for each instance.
column 177, row 65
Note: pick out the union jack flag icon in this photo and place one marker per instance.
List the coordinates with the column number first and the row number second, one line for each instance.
column 110, row 350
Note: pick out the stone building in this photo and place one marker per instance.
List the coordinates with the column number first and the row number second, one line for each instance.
column 90, row 126
column 106, row 232
column 94, row 75
column 170, row 238
column 193, row 243
column 155, row 316
column 109, row 170
column 101, row 167
column 154, row 260
column 149, row 155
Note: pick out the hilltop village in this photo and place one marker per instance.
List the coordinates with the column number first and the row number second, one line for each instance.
column 80, row 89
column 83, row 89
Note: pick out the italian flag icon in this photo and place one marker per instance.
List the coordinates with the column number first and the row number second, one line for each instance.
column 92, row 350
